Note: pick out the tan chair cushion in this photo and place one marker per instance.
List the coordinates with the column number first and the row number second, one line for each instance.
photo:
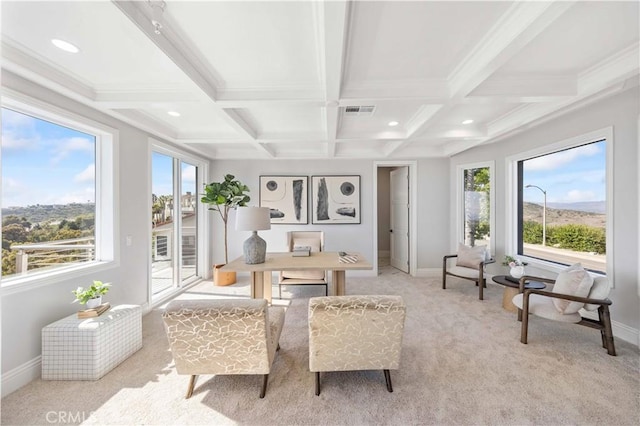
column 355, row 332
column 574, row 281
column 464, row 272
column 470, row 257
column 599, row 290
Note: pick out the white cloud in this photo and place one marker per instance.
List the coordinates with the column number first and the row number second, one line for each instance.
column 61, row 149
column 12, row 119
column 82, row 195
column 560, row 159
column 189, row 175
column 87, row 175
column 576, row 195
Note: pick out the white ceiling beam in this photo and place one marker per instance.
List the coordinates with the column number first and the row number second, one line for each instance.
column 18, row 61
column 528, row 87
column 181, row 52
column 170, row 43
column 430, row 90
column 331, row 35
column 520, row 24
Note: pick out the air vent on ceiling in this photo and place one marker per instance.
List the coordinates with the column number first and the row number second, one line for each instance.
column 360, row 111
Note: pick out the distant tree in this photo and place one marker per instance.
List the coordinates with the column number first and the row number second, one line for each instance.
column 15, row 233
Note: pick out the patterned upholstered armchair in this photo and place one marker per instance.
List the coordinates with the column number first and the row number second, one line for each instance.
column 229, row 336
column 355, row 333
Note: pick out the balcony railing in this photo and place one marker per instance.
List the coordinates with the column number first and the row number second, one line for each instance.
column 53, row 253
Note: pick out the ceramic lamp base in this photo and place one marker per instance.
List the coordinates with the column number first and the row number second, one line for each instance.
column 255, row 249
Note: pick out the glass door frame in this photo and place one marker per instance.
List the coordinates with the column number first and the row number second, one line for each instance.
column 202, row 224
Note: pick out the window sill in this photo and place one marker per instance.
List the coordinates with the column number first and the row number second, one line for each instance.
column 35, row 281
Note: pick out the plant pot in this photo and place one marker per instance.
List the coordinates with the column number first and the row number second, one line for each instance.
column 94, row 303
column 223, row 277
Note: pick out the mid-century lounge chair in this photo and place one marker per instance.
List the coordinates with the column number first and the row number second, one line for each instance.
column 470, row 263
column 564, row 302
column 228, row 336
column 355, row 333
column 314, row 240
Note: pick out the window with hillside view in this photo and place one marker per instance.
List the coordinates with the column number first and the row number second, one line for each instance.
column 48, row 195
column 562, row 214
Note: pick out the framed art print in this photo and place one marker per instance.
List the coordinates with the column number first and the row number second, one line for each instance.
column 336, row 199
column 286, row 197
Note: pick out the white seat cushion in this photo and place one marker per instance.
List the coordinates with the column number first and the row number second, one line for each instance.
column 542, row 306
column 463, row 272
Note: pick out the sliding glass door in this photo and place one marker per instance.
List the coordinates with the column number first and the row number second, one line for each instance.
column 174, row 218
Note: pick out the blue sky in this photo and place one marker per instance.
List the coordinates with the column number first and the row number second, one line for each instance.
column 570, row 176
column 44, row 163
column 162, row 175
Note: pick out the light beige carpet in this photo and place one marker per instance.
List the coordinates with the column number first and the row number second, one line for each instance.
column 462, row 363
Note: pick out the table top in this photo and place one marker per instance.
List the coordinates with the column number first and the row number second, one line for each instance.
column 325, row 260
column 502, row 279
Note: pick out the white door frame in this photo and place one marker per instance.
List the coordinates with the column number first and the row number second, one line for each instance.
column 413, row 204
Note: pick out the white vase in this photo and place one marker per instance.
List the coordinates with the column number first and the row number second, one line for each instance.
column 517, row 271
column 94, row 303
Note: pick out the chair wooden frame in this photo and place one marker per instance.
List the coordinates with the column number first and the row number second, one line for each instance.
column 603, row 323
column 481, row 278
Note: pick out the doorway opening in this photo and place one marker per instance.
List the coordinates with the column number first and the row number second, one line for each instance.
column 394, row 227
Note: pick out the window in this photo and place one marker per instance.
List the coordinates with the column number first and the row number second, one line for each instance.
column 51, row 193
column 475, row 199
column 563, row 204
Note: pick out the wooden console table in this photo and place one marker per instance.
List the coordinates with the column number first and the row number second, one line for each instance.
column 320, row 261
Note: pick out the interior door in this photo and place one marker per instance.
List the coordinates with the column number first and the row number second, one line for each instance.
column 400, row 218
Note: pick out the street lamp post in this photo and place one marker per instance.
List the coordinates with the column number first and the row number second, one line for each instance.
column 544, row 213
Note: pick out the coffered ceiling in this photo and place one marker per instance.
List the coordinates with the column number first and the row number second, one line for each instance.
column 272, row 79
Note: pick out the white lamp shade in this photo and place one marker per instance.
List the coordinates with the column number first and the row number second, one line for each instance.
column 252, row 218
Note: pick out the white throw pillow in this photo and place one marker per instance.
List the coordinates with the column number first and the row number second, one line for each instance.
column 470, row 257
column 574, row 281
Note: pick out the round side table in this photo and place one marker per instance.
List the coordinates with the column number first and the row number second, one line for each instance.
column 511, row 288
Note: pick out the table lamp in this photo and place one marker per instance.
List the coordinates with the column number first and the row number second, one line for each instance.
column 253, row 219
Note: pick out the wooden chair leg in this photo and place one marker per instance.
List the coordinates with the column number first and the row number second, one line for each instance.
column 263, row 391
column 317, row 383
column 603, row 310
column 192, row 383
column 524, row 314
column 387, row 379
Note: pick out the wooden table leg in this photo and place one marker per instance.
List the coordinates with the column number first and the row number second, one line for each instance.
column 338, row 279
column 507, row 296
column 261, row 285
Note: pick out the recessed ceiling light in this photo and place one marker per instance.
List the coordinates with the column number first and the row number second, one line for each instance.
column 174, row 113
column 65, row 45
column 393, row 123
column 467, row 122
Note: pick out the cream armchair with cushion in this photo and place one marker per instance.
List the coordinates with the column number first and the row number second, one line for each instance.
column 355, row 333
column 574, row 289
column 315, row 240
column 470, row 265
column 229, row 336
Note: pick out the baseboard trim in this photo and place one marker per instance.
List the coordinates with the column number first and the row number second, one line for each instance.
column 428, row 272
column 20, row 376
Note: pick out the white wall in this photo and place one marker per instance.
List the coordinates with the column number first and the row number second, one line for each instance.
column 621, row 112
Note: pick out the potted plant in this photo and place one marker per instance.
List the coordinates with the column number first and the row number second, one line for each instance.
column 92, row 295
column 222, row 197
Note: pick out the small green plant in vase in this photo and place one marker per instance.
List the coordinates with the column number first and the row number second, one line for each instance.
column 91, row 296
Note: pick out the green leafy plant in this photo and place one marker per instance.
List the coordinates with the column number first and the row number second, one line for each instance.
column 97, row 289
column 513, row 261
column 224, row 196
